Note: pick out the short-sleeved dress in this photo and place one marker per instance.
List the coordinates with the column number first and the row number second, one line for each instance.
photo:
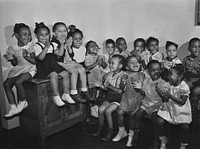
column 23, row 66
column 132, row 98
column 152, row 100
column 94, row 75
column 173, row 112
column 117, row 82
column 49, row 64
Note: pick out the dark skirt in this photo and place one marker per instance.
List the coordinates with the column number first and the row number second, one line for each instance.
column 113, row 97
column 47, row 66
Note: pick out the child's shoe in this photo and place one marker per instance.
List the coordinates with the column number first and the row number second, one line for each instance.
column 130, row 139
column 58, row 101
column 86, row 95
column 120, row 135
column 108, row 136
column 13, row 111
column 96, row 134
column 22, row 105
column 164, row 142
column 183, row 146
column 78, row 98
column 67, row 98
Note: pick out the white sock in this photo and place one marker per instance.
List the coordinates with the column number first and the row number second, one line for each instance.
column 67, row 98
column 122, row 128
column 74, row 92
column 84, row 89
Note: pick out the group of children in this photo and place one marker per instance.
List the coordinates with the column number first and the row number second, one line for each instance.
column 137, row 82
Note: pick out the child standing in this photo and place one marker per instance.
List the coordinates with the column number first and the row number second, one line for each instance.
column 22, row 58
column 121, row 46
column 192, row 68
column 131, row 99
column 114, row 83
column 176, row 108
column 94, row 63
column 153, row 47
column 171, row 59
column 151, row 102
column 47, row 66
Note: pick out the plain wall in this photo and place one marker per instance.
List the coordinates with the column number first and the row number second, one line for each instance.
column 101, row 19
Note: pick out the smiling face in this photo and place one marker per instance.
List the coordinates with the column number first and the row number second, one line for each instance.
column 23, row 37
column 171, row 51
column 61, row 31
column 153, row 47
column 114, row 64
column 139, row 47
column 121, row 45
column 110, row 48
column 194, row 48
column 43, row 35
column 133, row 64
column 77, row 40
column 155, row 71
column 93, row 48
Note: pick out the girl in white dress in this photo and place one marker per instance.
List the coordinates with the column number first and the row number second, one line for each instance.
column 176, row 108
column 22, row 58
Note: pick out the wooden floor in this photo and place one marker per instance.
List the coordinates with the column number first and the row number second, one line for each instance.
column 76, row 138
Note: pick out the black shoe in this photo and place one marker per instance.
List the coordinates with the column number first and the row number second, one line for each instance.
column 86, row 96
column 97, row 134
column 108, row 136
column 78, row 98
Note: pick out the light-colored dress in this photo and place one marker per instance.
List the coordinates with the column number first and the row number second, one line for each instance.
column 132, row 98
column 152, row 100
column 172, row 63
column 94, row 75
column 157, row 56
column 23, row 66
column 173, row 112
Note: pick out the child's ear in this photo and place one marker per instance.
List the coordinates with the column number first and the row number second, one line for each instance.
column 36, row 36
column 127, row 68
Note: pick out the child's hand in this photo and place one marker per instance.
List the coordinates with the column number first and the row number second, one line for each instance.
column 167, row 64
column 68, row 43
column 8, row 57
column 61, row 40
column 137, row 84
column 47, row 44
column 162, row 94
column 24, row 53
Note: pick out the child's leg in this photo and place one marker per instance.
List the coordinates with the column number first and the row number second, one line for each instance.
column 120, row 119
column 108, row 112
column 8, row 85
column 185, row 133
column 82, row 75
column 19, row 87
column 74, row 92
column 66, row 97
column 195, row 100
column 101, row 111
column 54, row 85
column 158, row 123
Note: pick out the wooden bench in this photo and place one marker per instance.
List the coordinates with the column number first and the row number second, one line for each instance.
column 42, row 117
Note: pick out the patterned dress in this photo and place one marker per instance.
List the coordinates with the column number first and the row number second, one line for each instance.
column 117, row 82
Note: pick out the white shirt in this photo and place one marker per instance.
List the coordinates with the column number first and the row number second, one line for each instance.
column 79, row 54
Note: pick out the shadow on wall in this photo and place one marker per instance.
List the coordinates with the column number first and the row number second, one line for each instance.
column 183, row 51
column 8, row 32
